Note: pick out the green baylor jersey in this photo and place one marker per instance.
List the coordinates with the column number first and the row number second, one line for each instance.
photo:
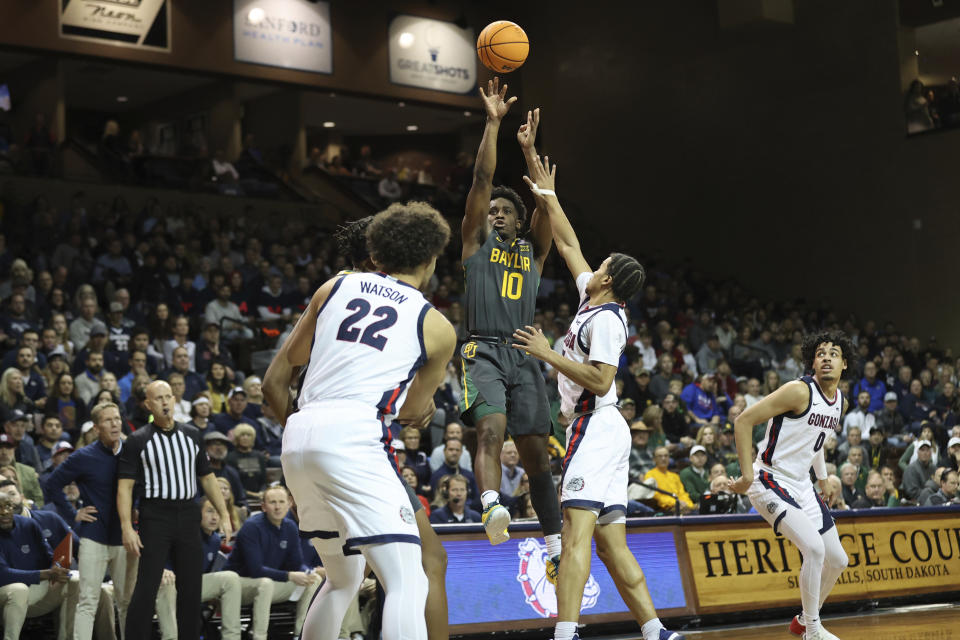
column 501, row 287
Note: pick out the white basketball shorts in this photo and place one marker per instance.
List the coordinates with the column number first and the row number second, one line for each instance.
column 774, row 496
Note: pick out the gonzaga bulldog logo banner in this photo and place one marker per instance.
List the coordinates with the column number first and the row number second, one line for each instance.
column 128, row 23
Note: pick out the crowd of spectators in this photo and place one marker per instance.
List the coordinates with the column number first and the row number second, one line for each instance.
column 932, row 107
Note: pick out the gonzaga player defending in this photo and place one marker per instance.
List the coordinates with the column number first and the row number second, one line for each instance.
column 502, row 273
column 595, row 469
column 363, row 338
column 800, row 415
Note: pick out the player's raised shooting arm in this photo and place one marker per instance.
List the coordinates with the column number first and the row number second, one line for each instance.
column 543, row 177
column 792, row 397
column 439, row 339
column 295, row 352
column 540, row 233
column 478, row 199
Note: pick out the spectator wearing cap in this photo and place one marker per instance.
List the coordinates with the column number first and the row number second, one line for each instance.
column 872, row 385
column 51, row 434
column 695, row 475
column 193, row 381
column 917, row 472
column 225, row 313
column 15, row 426
column 709, row 355
column 877, row 450
column 268, row 558
column 96, row 344
column 667, row 481
column 180, row 340
column 87, row 382
column 641, row 458
column 228, row 420
column 210, row 349
column 861, row 416
column 727, row 451
column 218, row 447
column 947, row 494
column 628, row 409
column 249, row 462
column 60, row 452
column 29, row 482
column 910, row 454
column 118, row 331
column 701, row 400
column 951, row 458
column 889, row 418
column 639, row 389
column 31, row 584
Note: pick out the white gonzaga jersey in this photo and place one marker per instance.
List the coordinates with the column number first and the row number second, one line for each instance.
column 368, row 343
column 793, row 441
column 596, row 334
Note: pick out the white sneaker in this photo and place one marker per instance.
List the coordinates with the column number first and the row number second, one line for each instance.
column 820, row 634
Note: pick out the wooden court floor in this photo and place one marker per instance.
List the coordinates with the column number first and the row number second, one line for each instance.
column 914, row 623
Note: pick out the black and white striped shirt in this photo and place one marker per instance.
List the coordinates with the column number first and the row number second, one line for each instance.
column 166, row 464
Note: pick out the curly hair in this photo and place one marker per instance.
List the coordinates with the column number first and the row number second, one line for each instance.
column 351, row 241
column 509, row 194
column 405, row 236
column 627, row 274
column 837, row 338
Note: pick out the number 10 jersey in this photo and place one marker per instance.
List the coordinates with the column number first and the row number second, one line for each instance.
column 501, row 283
column 368, row 343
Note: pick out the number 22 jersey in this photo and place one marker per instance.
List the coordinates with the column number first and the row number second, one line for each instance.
column 368, row 343
column 793, row 441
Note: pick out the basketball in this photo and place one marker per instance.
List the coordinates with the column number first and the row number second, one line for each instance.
column 503, row 46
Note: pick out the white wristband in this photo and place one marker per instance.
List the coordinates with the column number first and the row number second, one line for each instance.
column 543, row 192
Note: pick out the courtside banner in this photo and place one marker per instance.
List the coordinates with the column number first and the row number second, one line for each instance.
column 432, row 54
column 510, row 581
column 128, row 23
column 749, row 567
column 292, row 34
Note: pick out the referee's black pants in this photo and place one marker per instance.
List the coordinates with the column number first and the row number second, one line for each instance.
column 169, row 529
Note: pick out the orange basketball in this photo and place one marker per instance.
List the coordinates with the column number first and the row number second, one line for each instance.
column 502, row 46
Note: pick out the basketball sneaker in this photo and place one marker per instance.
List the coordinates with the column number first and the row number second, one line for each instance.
column 820, row 634
column 666, row 634
column 796, row 627
column 553, row 569
column 495, row 519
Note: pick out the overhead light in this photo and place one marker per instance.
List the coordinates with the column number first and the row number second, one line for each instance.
column 329, row 125
column 122, row 98
column 412, row 127
column 467, row 114
column 406, row 39
column 916, row 52
column 401, row 104
column 256, row 15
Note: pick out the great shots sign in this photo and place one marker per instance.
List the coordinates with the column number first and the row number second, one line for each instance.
column 431, row 54
column 129, row 23
column 750, row 567
column 292, row 34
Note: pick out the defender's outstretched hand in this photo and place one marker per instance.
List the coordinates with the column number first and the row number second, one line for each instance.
column 527, row 134
column 495, row 99
column 533, row 342
column 542, row 175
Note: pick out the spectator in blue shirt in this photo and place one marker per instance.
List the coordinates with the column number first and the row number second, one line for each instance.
column 15, row 426
column 34, row 386
column 871, row 384
column 227, row 421
column 455, row 509
column 701, row 400
column 268, row 559
column 452, row 451
column 137, row 361
column 94, row 470
column 51, row 434
column 30, row 583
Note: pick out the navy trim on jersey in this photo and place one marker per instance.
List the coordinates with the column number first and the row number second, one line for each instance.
column 827, row 518
column 581, row 504
column 609, row 306
column 387, row 404
column 776, row 523
column 767, row 456
column 797, row 416
column 323, row 535
column 766, row 479
column 820, row 391
column 387, row 441
column 313, row 339
column 579, row 430
column 383, row 538
column 611, row 508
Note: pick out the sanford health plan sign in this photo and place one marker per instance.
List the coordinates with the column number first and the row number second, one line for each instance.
column 293, row 34
column 431, row 54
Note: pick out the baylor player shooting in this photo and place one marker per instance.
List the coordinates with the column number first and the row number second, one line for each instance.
column 504, row 388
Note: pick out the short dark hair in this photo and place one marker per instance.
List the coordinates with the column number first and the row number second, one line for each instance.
column 837, row 338
column 627, row 274
column 406, row 236
column 509, row 194
column 351, row 239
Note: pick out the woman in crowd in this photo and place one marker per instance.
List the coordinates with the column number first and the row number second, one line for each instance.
column 707, row 438
column 771, row 382
column 200, row 412
column 63, row 402
column 218, row 386
column 410, row 477
column 12, row 396
column 673, row 420
column 56, row 364
column 237, row 514
column 58, row 322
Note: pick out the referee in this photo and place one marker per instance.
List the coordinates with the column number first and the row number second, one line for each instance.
column 166, row 459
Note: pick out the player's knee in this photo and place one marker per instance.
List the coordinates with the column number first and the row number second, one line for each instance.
column 18, row 593
column 815, row 551
column 489, row 440
column 264, row 586
column 836, row 557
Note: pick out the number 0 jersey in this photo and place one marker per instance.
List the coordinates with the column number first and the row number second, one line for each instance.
column 794, row 440
column 596, row 334
column 368, row 343
column 501, row 282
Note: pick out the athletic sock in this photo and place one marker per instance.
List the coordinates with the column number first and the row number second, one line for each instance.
column 564, row 630
column 489, row 497
column 651, row 629
column 811, row 625
column 800, row 618
column 553, row 545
